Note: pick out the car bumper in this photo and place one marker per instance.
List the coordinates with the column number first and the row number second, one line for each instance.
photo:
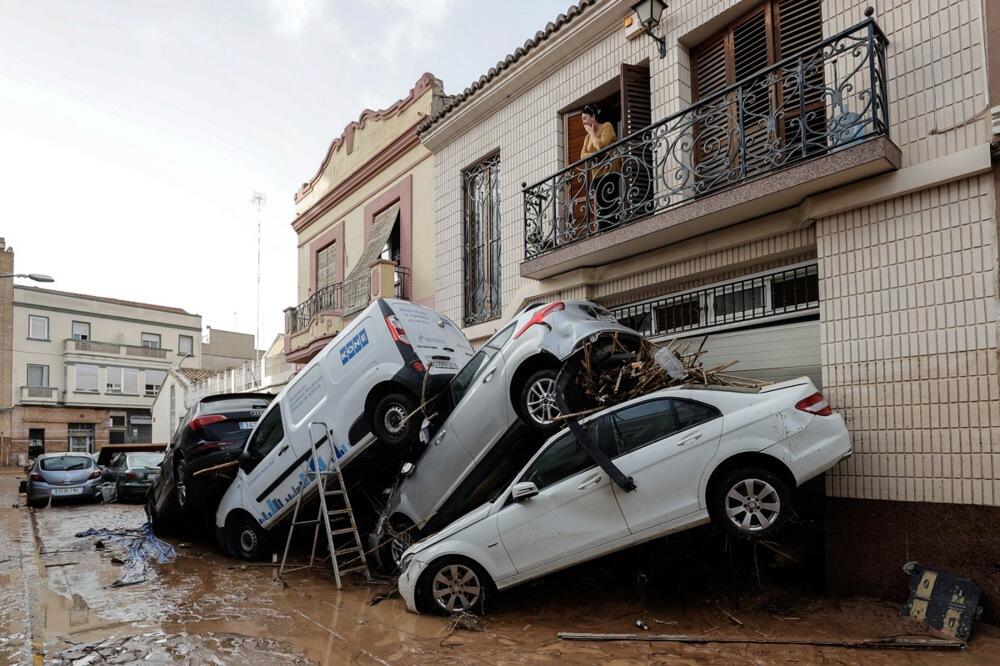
column 136, row 489
column 408, row 587
column 42, row 492
column 817, row 448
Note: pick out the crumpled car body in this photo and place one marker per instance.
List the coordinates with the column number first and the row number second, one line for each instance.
column 499, row 404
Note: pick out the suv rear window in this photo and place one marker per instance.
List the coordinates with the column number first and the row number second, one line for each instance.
column 66, row 463
column 233, row 405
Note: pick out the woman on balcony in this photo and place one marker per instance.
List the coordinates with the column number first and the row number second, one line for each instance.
column 605, row 179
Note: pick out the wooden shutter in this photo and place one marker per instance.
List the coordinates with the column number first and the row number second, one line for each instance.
column 637, row 186
column 752, row 52
column 799, row 29
column 575, row 136
column 710, row 66
column 326, row 267
column 636, row 111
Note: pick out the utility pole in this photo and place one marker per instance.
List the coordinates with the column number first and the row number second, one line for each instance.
column 258, row 200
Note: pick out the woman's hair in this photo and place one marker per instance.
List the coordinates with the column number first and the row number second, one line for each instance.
column 592, row 110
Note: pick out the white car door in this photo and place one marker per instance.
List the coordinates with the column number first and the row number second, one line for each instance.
column 269, row 467
column 574, row 511
column 664, row 444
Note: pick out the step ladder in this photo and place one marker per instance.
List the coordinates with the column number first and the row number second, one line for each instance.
column 334, row 515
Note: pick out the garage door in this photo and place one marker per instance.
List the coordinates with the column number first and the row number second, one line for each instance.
column 774, row 353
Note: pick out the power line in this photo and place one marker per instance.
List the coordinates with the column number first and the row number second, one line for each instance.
column 259, row 200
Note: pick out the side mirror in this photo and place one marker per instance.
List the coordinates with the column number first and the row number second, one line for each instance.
column 523, row 491
column 407, row 469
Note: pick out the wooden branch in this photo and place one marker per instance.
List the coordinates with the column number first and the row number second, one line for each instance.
column 215, row 468
column 915, row 643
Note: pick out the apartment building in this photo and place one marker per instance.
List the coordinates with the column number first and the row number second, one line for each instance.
column 365, row 222
column 809, row 184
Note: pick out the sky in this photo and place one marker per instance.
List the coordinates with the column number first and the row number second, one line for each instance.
column 133, row 133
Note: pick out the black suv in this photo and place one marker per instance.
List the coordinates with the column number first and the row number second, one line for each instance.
column 210, row 434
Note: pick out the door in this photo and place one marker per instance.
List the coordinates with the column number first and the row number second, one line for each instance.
column 269, row 464
column 574, row 511
column 665, row 445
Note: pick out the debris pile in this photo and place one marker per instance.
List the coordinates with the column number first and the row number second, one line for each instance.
column 140, row 546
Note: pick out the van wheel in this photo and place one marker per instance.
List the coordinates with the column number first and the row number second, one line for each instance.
column 454, row 585
column 751, row 503
column 247, row 540
column 537, row 404
column 389, row 422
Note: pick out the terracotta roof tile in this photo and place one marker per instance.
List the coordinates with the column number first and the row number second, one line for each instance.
column 197, row 374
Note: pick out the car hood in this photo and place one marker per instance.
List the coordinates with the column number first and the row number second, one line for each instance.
column 562, row 340
column 473, row 516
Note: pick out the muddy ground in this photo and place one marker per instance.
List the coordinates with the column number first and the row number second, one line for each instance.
column 57, row 606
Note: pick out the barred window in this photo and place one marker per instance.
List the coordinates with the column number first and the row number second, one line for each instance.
column 481, row 188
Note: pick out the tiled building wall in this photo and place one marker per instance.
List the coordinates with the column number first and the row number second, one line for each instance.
column 908, row 307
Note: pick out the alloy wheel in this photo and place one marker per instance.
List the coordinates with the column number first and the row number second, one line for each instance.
column 180, row 483
column 541, row 401
column 456, row 588
column 752, row 505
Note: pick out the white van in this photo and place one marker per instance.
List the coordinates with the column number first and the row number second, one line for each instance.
column 356, row 392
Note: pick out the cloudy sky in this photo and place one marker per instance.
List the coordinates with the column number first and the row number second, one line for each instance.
column 134, row 132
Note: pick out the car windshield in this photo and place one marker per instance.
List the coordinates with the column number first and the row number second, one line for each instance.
column 463, row 380
column 137, row 460
column 66, row 463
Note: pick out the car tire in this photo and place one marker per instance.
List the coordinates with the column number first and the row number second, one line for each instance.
column 246, row 539
column 184, row 488
column 437, row 595
column 392, row 543
column 37, row 503
column 536, row 404
column 387, row 417
column 751, row 503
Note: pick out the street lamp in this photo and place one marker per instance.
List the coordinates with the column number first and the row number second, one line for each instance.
column 649, row 12
column 37, row 277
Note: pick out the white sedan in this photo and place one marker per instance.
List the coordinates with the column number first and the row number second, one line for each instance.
column 696, row 454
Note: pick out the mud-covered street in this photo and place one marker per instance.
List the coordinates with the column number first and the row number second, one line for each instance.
column 57, row 606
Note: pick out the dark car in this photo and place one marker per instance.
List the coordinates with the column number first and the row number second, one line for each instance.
column 211, row 434
column 63, row 476
column 133, row 473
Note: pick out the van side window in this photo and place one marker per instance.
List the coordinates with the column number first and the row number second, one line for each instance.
column 267, row 435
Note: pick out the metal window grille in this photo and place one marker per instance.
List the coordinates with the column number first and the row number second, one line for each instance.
column 481, row 187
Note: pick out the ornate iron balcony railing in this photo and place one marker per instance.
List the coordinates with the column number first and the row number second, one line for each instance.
column 828, row 97
column 326, row 298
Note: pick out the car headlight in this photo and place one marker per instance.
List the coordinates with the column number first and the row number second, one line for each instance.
column 404, row 563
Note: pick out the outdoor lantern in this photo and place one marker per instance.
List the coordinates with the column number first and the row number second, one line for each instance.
column 649, row 12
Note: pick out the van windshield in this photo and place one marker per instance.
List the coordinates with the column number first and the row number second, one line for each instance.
column 463, row 380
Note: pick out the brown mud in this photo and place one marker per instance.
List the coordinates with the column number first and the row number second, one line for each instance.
column 57, row 607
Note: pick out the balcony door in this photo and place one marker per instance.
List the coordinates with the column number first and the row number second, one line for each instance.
column 778, row 117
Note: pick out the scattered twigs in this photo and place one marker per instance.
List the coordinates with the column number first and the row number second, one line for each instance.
column 729, row 615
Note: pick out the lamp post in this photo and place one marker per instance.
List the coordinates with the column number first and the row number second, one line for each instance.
column 649, row 12
column 37, row 277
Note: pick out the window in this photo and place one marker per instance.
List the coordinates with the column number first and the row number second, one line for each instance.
column 326, row 266
column 114, row 380
column 463, row 380
column 86, row 378
column 643, row 424
column 795, row 289
column 38, row 376
column 38, row 327
column 770, row 112
column 81, row 440
column 738, row 302
column 185, row 345
column 36, row 441
column 81, row 330
column 690, row 413
column 268, row 434
column 678, row 313
column 566, row 457
column 481, row 189
column 130, row 381
column 67, row 463
column 154, row 379
column 150, row 340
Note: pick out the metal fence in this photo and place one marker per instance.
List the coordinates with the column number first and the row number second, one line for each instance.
column 824, row 99
column 327, row 298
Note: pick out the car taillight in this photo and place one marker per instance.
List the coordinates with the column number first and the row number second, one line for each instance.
column 35, row 476
column 396, row 329
column 540, row 315
column 418, row 366
column 96, row 474
column 131, row 476
column 814, row 404
column 202, row 421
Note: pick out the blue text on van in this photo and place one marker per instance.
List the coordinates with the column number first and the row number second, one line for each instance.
column 353, row 346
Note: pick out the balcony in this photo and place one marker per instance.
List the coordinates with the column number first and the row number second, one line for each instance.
column 42, row 395
column 804, row 125
column 92, row 347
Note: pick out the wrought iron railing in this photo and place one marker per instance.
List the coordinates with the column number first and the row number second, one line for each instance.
column 400, row 280
column 326, row 298
column 824, row 99
column 790, row 292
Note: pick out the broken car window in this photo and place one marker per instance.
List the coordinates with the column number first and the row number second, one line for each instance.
column 644, row 424
column 566, row 457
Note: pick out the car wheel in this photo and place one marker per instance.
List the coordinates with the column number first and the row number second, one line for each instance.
column 537, row 407
column 751, row 502
column 389, row 422
column 37, row 503
column 247, row 540
column 455, row 585
column 183, row 486
column 393, row 543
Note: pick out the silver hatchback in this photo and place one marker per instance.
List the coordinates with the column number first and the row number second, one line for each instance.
column 503, row 406
column 63, row 476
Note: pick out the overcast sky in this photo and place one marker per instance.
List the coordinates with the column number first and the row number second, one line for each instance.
column 133, row 133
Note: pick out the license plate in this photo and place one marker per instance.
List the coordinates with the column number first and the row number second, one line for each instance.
column 447, row 365
column 67, row 491
column 247, row 425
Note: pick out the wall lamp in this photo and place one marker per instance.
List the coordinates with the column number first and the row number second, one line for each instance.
column 649, row 12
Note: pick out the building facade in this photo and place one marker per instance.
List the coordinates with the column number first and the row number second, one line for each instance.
column 806, row 184
column 365, row 222
column 222, row 350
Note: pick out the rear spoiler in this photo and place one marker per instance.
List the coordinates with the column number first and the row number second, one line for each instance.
column 788, row 383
